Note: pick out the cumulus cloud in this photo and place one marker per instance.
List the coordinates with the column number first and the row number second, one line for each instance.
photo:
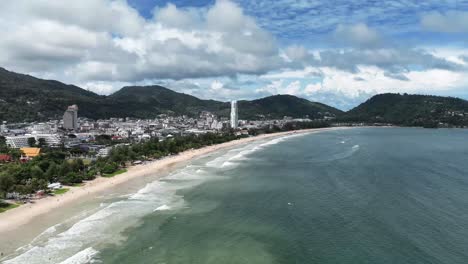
column 121, row 45
column 449, row 22
column 220, row 51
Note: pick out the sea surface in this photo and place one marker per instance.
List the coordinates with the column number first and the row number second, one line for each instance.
column 361, row 195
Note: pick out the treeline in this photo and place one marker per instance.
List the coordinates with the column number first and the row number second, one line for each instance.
column 54, row 166
column 290, row 126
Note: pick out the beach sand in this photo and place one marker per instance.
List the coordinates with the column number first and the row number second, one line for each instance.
column 14, row 222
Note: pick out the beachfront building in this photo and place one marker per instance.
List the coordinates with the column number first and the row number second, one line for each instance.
column 234, row 115
column 70, row 118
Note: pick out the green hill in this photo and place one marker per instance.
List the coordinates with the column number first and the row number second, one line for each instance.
column 410, row 110
column 149, row 101
column 26, row 98
column 278, row 106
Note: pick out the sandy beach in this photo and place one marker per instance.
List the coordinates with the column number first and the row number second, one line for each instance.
column 22, row 216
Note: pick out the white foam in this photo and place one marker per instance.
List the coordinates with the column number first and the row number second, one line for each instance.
column 82, row 257
column 105, row 224
column 162, row 208
column 232, row 157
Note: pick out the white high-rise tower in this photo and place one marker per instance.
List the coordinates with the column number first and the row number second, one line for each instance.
column 70, row 118
column 234, row 118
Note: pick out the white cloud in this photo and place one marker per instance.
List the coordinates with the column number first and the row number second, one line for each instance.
column 449, row 22
column 208, row 51
column 120, row 45
column 345, row 89
column 357, row 35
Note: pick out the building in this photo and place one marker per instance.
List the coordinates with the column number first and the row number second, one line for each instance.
column 5, row 158
column 50, row 139
column 22, row 141
column 104, row 152
column 3, row 127
column 31, row 152
column 70, row 118
column 18, row 141
column 234, row 116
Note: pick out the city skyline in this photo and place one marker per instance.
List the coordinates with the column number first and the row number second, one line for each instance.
column 339, row 54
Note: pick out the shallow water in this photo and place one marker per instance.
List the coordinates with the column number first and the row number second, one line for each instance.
column 365, row 195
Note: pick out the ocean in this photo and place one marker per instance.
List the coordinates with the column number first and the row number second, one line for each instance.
column 361, row 195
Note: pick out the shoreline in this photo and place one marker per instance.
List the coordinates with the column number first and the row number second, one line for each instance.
column 23, row 215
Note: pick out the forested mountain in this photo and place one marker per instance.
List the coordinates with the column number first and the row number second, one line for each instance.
column 26, row 98
column 278, row 106
column 410, row 110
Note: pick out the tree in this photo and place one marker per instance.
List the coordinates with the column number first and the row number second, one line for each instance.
column 52, row 172
column 3, row 145
column 15, row 153
column 36, row 173
column 32, row 142
column 109, row 168
column 42, row 143
column 7, row 182
column 71, row 178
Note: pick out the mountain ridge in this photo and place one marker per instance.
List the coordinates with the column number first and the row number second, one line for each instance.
column 410, row 110
column 27, row 98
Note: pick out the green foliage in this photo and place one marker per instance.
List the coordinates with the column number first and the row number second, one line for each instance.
column 117, row 172
column 71, row 178
column 289, row 127
column 109, row 168
column 32, row 142
column 6, row 206
column 41, row 143
column 278, row 106
column 3, row 145
column 60, row 191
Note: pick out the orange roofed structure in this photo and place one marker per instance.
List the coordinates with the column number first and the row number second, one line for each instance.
column 31, row 152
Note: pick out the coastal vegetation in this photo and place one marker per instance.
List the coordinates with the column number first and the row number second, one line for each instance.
column 60, row 191
column 117, row 172
column 23, row 179
column 54, row 165
column 7, row 206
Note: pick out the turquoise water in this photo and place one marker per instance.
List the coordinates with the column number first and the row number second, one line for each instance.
column 365, row 195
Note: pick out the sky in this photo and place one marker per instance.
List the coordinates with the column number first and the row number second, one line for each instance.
column 337, row 52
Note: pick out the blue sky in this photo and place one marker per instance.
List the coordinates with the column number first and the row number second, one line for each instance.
column 338, row 52
column 301, row 20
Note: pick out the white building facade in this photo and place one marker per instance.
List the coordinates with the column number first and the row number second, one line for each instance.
column 70, row 118
column 234, row 115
